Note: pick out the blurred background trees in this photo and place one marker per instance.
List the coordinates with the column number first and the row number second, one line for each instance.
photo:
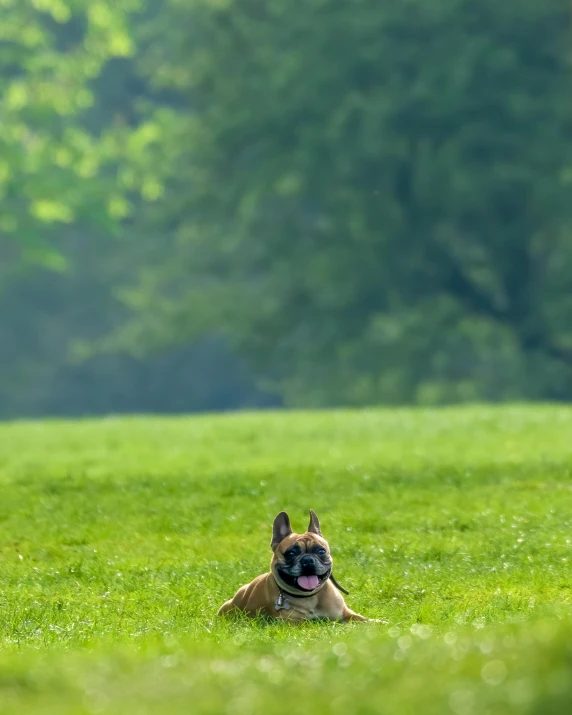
column 219, row 204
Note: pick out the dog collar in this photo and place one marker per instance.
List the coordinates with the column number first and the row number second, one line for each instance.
column 296, row 595
column 282, row 602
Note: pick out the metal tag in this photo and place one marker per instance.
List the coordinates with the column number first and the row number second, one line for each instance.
column 281, row 603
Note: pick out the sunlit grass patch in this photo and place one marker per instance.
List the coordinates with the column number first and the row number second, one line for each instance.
column 120, row 538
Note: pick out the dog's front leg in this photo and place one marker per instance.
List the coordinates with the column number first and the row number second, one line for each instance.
column 349, row 615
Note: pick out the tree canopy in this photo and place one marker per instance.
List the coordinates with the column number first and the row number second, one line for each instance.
column 53, row 168
column 367, row 202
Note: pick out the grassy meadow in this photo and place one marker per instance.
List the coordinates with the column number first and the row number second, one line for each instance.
column 120, row 538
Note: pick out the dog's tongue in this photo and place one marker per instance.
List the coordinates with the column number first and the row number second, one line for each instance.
column 308, row 583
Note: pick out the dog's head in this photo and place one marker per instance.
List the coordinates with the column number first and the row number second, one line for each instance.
column 301, row 563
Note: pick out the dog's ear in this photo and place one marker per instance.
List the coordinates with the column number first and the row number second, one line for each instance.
column 314, row 526
column 281, row 529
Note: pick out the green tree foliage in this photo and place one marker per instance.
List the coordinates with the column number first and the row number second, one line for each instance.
column 45, row 319
column 374, row 198
column 370, row 201
column 68, row 92
column 53, row 170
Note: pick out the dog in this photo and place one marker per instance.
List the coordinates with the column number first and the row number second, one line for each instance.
column 300, row 584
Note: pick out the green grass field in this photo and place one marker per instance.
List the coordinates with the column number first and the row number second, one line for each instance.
column 120, row 538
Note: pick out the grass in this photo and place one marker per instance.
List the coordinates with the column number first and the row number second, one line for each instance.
column 120, row 538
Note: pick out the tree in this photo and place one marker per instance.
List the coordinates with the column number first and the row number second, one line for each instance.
column 68, row 93
column 53, row 170
column 373, row 198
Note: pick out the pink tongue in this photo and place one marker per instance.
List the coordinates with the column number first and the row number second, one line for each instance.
column 308, row 583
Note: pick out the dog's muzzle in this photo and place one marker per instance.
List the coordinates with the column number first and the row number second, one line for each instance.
column 307, row 575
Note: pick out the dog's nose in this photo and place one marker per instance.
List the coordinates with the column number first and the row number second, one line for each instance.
column 307, row 562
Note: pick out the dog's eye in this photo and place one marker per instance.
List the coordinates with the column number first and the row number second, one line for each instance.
column 290, row 554
column 321, row 552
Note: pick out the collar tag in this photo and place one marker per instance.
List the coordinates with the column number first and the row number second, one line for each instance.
column 282, row 603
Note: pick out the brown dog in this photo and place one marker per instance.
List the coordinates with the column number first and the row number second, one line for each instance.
column 300, row 584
